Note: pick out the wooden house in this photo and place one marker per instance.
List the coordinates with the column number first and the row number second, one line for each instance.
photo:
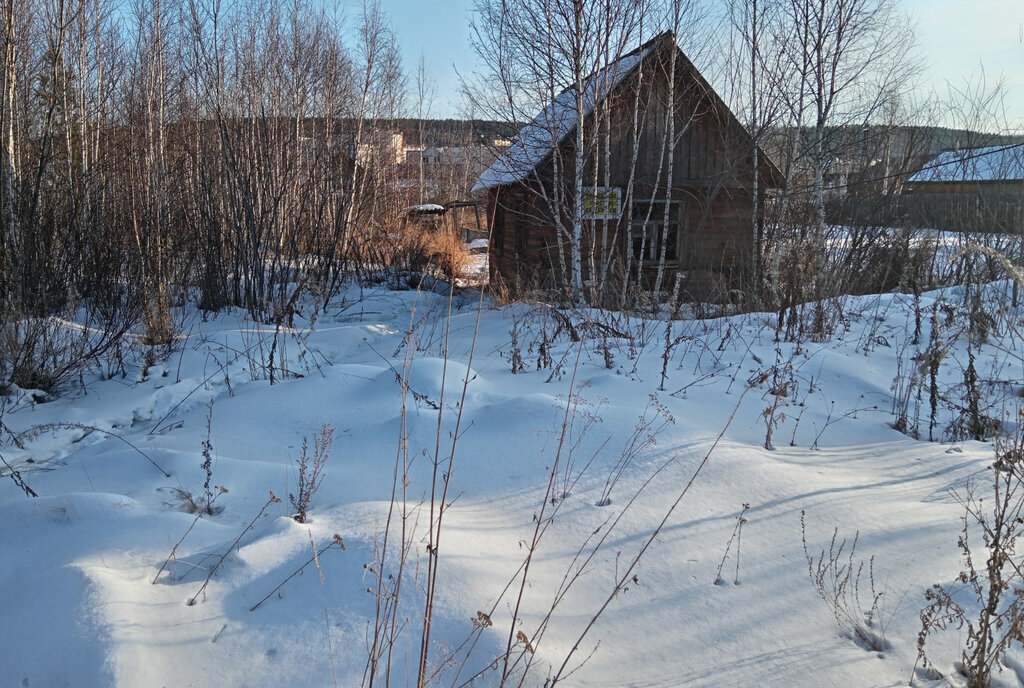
column 992, row 170
column 969, row 189
column 703, row 223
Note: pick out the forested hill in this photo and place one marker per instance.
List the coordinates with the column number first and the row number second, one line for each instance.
column 451, row 132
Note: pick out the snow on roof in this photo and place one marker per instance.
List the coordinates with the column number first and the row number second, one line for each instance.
column 537, row 139
column 427, row 208
column 993, row 163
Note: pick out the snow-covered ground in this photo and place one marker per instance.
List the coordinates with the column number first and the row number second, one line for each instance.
column 84, row 601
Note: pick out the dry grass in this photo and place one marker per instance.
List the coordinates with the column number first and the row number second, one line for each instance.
column 447, row 253
column 412, row 249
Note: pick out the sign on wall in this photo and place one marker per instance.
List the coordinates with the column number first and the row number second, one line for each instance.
column 602, row 203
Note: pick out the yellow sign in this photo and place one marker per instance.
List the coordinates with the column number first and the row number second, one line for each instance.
column 602, row 203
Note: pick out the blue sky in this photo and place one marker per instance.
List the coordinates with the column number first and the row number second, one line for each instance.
column 955, row 37
column 959, row 37
column 439, row 31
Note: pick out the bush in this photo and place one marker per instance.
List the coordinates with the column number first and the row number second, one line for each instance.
column 994, row 616
column 449, row 254
column 397, row 255
column 311, row 470
column 837, row 577
column 49, row 352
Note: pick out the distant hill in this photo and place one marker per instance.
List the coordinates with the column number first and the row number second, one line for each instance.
column 929, row 141
column 451, row 132
column 916, row 141
column 944, row 138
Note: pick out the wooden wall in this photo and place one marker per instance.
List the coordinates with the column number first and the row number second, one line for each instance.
column 712, row 174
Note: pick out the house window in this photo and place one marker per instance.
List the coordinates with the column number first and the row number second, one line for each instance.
column 647, row 231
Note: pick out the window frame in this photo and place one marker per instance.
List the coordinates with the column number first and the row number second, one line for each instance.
column 653, row 227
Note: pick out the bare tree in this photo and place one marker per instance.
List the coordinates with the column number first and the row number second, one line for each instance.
column 150, row 146
column 425, row 91
column 558, row 58
column 378, row 98
column 755, row 67
column 150, row 209
column 826, row 69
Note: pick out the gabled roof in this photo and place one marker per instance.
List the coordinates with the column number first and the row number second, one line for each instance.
column 993, row 163
column 538, row 139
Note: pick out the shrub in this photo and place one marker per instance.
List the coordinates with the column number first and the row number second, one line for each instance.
column 49, row 352
column 448, row 253
column 311, row 470
column 996, row 588
column 837, row 577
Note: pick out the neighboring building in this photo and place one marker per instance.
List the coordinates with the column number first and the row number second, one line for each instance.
column 413, row 154
column 450, row 155
column 380, row 147
column 433, row 156
column 969, row 190
column 993, row 169
column 710, row 206
column 441, row 174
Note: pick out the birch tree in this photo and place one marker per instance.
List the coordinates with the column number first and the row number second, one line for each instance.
column 8, row 114
column 552, row 57
column 150, row 208
column 756, row 66
column 379, row 92
column 849, row 57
